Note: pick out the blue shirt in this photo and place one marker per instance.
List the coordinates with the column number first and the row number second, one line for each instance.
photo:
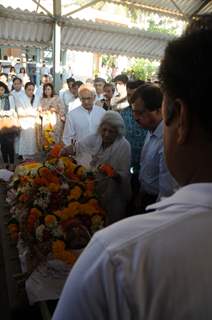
column 154, row 176
column 135, row 135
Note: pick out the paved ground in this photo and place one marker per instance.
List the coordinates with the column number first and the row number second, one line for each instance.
column 13, row 301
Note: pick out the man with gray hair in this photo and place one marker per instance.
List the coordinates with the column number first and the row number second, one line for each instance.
column 85, row 119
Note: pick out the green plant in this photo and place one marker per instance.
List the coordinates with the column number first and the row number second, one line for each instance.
column 142, row 69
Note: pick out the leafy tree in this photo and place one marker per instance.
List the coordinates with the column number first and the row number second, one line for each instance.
column 142, row 69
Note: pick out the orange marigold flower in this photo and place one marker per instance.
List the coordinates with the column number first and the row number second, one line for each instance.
column 90, row 185
column 69, row 257
column 74, row 207
column 107, row 169
column 75, row 193
column 87, row 208
column 55, row 151
column 53, row 187
column 35, row 212
column 50, row 219
column 44, row 172
column 40, row 181
column 58, row 246
column 80, row 171
column 24, row 197
column 13, row 227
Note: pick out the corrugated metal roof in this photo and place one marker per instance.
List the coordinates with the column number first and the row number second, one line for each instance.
column 107, row 38
column 177, row 8
column 22, row 28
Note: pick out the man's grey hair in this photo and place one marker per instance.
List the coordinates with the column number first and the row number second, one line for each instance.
column 87, row 87
column 115, row 120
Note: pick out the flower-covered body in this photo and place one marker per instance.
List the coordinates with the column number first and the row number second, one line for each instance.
column 54, row 208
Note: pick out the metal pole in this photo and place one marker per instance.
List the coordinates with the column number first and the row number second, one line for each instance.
column 37, row 67
column 56, row 44
column 56, row 56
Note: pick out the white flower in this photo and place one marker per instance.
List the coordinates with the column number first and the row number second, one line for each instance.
column 39, row 232
column 65, row 186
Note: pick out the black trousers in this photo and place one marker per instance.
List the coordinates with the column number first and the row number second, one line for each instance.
column 7, row 147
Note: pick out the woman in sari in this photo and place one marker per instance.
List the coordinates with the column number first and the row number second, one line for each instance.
column 107, row 147
column 27, row 105
column 7, row 135
column 51, row 118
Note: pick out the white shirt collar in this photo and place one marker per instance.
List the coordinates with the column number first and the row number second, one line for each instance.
column 85, row 110
column 197, row 194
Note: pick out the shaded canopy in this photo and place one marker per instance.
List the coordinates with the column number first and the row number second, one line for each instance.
column 23, row 28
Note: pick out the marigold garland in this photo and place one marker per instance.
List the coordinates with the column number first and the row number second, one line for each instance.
column 54, row 206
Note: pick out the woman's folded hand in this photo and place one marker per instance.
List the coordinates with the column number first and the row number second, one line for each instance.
column 68, row 150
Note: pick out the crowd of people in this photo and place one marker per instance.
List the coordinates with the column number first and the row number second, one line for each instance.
column 158, row 141
column 83, row 117
column 158, row 265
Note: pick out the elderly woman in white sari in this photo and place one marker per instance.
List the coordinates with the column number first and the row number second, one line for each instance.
column 108, row 146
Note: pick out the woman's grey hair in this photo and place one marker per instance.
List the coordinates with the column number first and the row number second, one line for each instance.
column 115, row 120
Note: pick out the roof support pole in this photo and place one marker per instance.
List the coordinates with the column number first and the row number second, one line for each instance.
column 38, row 67
column 56, row 44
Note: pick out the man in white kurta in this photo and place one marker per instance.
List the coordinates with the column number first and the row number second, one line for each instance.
column 83, row 120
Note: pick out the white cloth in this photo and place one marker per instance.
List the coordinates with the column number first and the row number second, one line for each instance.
column 17, row 98
column 89, row 152
column 67, row 97
column 74, row 104
column 27, row 116
column 23, row 77
column 80, row 123
column 39, row 92
column 152, row 266
column 17, row 94
column 44, row 70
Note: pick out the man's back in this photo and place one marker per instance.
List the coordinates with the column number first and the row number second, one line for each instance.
column 155, row 266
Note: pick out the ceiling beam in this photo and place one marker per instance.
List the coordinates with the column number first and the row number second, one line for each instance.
column 42, row 7
column 82, row 7
column 179, row 9
column 149, row 8
column 200, row 7
column 37, row 6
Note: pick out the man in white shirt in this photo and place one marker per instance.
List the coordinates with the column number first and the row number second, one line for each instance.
column 46, row 78
column 67, row 95
column 158, row 265
column 85, row 119
column 44, row 69
column 99, row 86
column 76, row 102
